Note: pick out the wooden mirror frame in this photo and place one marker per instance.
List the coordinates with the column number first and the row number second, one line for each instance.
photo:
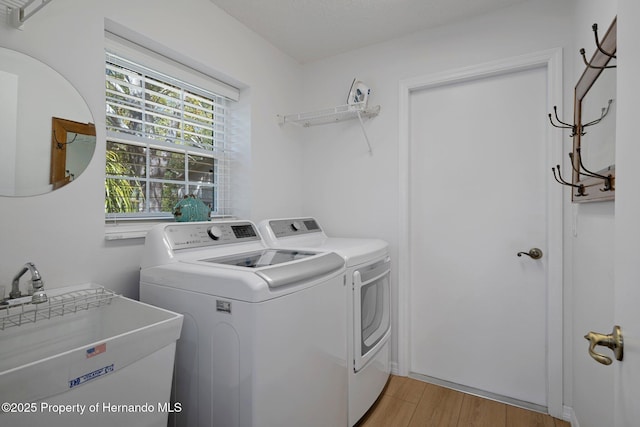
column 59, row 130
column 591, row 186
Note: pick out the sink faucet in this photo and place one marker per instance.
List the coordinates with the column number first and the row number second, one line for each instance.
column 36, row 280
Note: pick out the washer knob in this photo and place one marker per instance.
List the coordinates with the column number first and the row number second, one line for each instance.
column 214, row 232
column 296, row 226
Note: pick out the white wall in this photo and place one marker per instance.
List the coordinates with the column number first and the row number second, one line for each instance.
column 336, row 180
column 355, row 194
column 589, row 293
column 63, row 232
column 343, row 181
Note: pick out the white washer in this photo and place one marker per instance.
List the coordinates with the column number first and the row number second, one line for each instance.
column 264, row 332
column 369, row 326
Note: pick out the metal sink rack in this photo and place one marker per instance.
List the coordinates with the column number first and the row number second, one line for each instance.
column 57, row 305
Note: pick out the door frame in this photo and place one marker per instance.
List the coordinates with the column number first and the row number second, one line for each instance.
column 551, row 60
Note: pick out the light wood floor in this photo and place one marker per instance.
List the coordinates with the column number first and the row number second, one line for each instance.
column 406, row 402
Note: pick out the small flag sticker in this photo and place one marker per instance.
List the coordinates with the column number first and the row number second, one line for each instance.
column 99, row 349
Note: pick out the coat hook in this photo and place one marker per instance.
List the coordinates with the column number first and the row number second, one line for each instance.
column 560, row 180
column 562, row 124
column 594, row 27
column 584, row 59
column 579, row 169
column 608, row 184
column 60, row 145
column 603, row 114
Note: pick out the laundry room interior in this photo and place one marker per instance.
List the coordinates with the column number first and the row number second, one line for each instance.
column 497, row 268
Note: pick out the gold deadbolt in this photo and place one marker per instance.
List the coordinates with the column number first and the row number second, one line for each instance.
column 613, row 340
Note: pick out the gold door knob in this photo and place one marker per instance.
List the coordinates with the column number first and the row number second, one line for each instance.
column 534, row 253
column 613, row 341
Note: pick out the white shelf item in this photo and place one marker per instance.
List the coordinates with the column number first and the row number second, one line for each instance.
column 20, row 11
column 330, row 115
column 333, row 115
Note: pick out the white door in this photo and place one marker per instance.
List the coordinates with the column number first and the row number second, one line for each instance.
column 478, row 196
column 627, row 289
column 627, row 235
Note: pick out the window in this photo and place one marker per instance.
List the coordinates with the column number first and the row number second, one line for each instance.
column 165, row 139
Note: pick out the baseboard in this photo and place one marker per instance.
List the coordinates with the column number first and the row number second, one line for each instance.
column 570, row 416
column 481, row 393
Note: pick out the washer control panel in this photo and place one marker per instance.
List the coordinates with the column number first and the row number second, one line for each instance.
column 294, row 226
column 199, row 234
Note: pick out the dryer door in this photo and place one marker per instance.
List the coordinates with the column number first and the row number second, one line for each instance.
column 372, row 305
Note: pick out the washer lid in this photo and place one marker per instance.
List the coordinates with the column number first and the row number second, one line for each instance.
column 306, row 234
column 262, row 258
column 279, row 267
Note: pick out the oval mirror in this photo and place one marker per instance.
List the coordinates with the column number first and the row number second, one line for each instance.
column 46, row 128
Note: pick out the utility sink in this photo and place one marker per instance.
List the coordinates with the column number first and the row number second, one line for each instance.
column 86, row 346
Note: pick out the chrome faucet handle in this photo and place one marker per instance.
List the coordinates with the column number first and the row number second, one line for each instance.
column 39, row 296
column 38, row 286
column 36, row 280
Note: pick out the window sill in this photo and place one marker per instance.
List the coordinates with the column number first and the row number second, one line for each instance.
column 128, row 231
column 137, row 228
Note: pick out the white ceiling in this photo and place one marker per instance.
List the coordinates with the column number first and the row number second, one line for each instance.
column 312, row 29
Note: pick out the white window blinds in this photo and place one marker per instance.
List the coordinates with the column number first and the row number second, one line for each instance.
column 166, row 139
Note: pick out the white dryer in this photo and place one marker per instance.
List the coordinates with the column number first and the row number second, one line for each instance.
column 264, row 333
column 369, row 302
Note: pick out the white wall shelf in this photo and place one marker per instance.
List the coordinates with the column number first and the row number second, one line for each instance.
column 333, row 115
column 18, row 11
column 330, row 115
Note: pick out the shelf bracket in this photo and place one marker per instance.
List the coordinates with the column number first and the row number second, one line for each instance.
column 364, row 131
column 333, row 115
column 19, row 16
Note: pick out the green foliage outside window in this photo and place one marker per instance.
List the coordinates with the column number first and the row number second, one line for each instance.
column 147, row 178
